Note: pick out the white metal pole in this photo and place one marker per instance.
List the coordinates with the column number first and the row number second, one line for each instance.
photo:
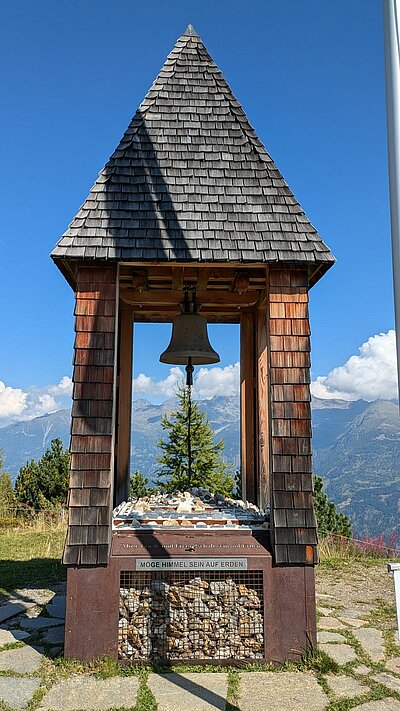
column 391, row 16
column 395, row 569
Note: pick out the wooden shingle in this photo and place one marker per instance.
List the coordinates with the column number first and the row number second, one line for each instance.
column 191, row 181
column 89, row 500
column 293, row 521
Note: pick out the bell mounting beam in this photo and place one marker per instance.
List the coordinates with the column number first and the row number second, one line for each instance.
column 163, row 298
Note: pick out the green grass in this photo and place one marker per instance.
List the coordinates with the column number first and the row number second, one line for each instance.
column 383, row 612
column 233, row 690
column 337, row 556
column 392, row 646
column 30, row 557
column 145, row 700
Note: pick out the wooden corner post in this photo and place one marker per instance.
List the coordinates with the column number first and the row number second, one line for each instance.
column 247, row 408
column 124, row 408
column 293, row 524
column 87, row 548
column 263, row 397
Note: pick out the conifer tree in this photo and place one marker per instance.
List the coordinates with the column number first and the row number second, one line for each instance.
column 329, row 519
column 138, row 485
column 7, row 495
column 44, row 483
column 208, row 469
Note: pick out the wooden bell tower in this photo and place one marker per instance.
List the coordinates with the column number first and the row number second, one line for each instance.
column 191, row 195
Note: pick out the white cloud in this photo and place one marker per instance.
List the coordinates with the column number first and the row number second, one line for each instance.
column 17, row 404
column 12, row 401
column 370, row 375
column 207, row 382
column 217, row 381
column 64, row 387
column 39, row 405
column 145, row 385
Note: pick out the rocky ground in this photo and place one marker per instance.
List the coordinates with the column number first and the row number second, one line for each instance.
column 360, row 668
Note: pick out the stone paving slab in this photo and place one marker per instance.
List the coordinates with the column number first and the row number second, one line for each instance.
column 330, row 623
column 330, row 637
column 11, row 636
column 10, row 610
column 54, row 636
column 371, row 640
column 22, row 660
column 354, row 613
column 89, row 694
column 189, row 692
column 392, row 682
column 17, row 692
column 393, row 665
column 341, row 653
column 325, row 611
column 362, row 669
column 41, row 623
column 345, row 686
column 382, row 705
column 353, row 621
column 32, row 596
column 56, row 608
column 286, row 691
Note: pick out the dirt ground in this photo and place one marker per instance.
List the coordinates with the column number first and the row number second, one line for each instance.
column 356, row 584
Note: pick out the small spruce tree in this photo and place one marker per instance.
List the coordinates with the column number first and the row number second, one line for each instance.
column 329, row 520
column 208, row 469
column 138, row 485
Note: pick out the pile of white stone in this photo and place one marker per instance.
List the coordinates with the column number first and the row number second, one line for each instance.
column 191, row 619
column 197, row 508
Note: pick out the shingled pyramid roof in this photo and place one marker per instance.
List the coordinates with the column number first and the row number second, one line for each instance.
column 191, row 181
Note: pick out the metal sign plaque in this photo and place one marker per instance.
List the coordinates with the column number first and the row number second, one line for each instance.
column 151, row 564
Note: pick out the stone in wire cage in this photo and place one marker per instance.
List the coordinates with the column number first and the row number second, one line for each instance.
column 176, row 616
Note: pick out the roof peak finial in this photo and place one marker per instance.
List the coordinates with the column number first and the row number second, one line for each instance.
column 190, row 31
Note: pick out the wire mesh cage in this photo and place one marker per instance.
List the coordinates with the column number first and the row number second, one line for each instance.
column 176, row 616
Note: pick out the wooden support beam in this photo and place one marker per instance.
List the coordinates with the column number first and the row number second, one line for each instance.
column 166, row 316
column 162, row 298
column 247, row 407
column 124, row 412
column 261, row 353
column 177, row 278
column 139, row 280
column 241, row 283
column 203, row 276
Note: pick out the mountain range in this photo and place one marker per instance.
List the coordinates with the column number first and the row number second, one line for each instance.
column 356, row 448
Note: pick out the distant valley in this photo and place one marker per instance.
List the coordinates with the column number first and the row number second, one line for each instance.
column 356, row 449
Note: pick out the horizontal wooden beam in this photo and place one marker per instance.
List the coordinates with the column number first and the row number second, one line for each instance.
column 154, row 316
column 162, row 298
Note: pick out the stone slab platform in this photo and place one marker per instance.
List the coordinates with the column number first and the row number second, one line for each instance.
column 201, row 691
column 89, row 694
column 285, row 691
column 17, row 692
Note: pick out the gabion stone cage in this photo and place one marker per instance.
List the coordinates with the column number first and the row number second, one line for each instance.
column 176, row 616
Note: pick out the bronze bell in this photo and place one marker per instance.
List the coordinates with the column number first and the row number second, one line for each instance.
column 189, row 342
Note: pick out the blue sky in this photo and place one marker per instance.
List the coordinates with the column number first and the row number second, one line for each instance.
column 310, row 77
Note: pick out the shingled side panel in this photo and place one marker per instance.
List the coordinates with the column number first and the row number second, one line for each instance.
column 293, row 519
column 90, row 493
